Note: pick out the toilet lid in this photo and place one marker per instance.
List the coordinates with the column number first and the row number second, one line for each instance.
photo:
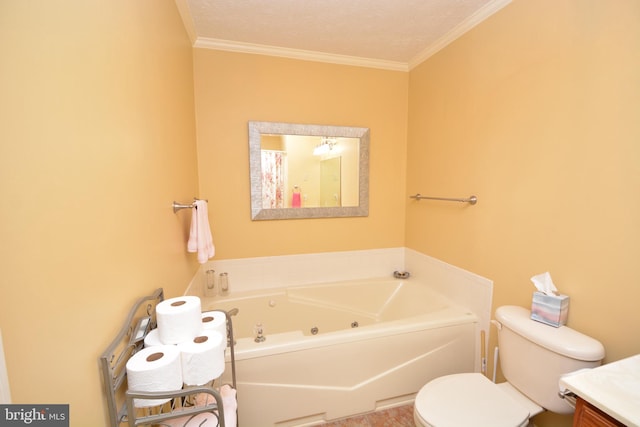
column 463, row 400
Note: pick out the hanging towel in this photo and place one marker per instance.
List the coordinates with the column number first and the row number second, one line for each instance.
column 200, row 239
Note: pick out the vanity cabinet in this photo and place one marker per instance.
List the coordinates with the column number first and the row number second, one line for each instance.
column 606, row 395
column 587, row 415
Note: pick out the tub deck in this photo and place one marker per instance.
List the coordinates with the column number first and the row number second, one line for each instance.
column 335, row 307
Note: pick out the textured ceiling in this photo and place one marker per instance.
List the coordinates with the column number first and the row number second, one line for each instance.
column 393, row 32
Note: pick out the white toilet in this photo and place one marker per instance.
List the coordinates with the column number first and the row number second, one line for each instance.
column 533, row 356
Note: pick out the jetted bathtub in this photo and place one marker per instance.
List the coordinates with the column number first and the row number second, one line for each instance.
column 339, row 349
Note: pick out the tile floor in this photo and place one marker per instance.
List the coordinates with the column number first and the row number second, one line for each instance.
column 402, row 416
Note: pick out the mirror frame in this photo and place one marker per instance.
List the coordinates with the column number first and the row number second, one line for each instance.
column 256, row 129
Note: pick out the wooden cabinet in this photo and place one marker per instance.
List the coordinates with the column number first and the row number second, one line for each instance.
column 587, row 415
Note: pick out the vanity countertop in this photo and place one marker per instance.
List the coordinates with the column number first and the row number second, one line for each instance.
column 614, row 388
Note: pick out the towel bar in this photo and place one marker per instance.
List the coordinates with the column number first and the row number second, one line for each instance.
column 472, row 200
column 177, row 206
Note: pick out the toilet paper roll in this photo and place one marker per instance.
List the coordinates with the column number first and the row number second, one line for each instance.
column 179, row 319
column 202, row 358
column 215, row 321
column 152, row 338
column 154, row 368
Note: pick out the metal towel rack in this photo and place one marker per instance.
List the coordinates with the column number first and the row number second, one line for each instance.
column 472, row 200
column 177, row 206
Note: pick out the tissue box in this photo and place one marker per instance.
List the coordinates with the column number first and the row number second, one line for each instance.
column 550, row 309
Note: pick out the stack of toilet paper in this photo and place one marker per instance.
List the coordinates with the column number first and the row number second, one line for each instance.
column 187, row 348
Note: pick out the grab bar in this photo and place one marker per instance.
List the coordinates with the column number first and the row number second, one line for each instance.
column 472, row 200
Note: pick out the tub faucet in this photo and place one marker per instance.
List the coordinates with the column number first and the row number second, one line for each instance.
column 259, row 333
column 401, row 274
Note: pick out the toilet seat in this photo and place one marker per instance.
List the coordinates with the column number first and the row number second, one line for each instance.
column 463, row 400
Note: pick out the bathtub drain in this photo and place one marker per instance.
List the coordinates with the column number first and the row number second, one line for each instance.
column 314, row 330
column 354, row 324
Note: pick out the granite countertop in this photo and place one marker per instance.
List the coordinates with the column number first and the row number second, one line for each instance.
column 614, row 388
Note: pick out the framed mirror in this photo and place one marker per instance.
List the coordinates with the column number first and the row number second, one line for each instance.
column 308, row 171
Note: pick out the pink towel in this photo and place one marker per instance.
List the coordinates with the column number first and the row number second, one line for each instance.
column 200, row 239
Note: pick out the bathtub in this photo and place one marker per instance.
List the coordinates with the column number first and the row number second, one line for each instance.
column 339, row 349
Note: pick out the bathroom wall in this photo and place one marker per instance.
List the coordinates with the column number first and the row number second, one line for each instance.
column 234, row 88
column 535, row 111
column 98, row 138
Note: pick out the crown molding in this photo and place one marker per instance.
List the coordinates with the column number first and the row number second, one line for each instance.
column 483, row 13
column 306, row 55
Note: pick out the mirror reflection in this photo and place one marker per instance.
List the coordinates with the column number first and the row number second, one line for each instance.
column 308, row 171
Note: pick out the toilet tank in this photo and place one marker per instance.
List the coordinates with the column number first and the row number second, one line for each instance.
column 533, row 355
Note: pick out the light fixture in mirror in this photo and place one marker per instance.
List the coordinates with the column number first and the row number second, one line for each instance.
column 308, row 171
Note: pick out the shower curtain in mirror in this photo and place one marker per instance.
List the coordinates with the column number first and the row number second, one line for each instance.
column 274, row 175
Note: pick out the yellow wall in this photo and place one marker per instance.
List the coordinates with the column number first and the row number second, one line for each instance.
column 97, row 131
column 233, row 88
column 536, row 111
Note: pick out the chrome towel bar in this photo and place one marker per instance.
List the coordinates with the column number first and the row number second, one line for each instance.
column 472, row 200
